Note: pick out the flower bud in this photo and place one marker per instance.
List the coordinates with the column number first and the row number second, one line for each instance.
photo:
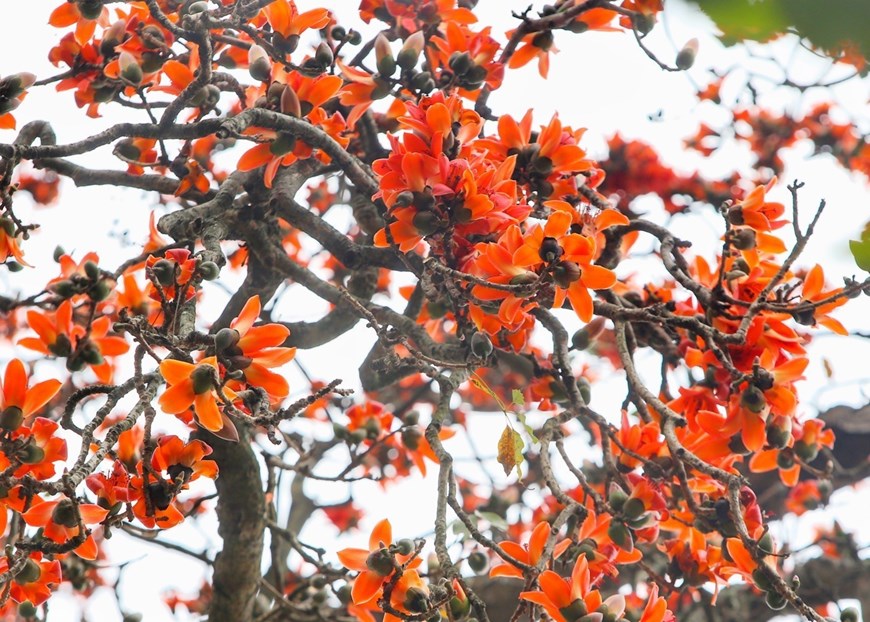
column 323, row 55
column 416, row 600
column 152, row 37
column 686, row 57
column 283, row 144
column 208, row 270
column 90, row 353
column 806, row 451
column 584, row 337
column 460, row 62
column 90, row 9
column 410, row 52
column 760, row 579
column 411, row 439
column 380, row 562
column 621, row 536
column 478, row 561
column 226, row 338
column 633, row 508
column 753, row 400
column 565, row 273
column 617, row 497
column 61, row 346
column 779, row 432
column 384, row 60
column 287, row 45
column 550, row 250
column 100, row 290
column 197, row 7
column 543, row 40
column 259, row 65
column 31, row 454
column 129, row 68
column 405, row 546
column 743, row 239
column 64, row 514
column 765, row 544
column 202, row 377
column 11, row 418
column 63, row 288
column 164, row 272
column 290, row 104
column 849, row 614
column 481, row 345
column 92, row 270
column 29, row 573
column 575, row 611
column 585, row 389
column 14, row 85
column 426, row 222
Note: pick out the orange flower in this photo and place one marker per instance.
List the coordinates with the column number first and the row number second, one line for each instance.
column 375, row 564
column 12, row 92
column 40, row 448
column 59, row 522
column 529, row 554
column 173, row 272
column 287, row 21
column 112, row 490
column 533, row 45
column 567, row 601
column 256, row 349
column 194, row 180
column 568, row 256
column 756, row 212
column 36, row 581
column 9, row 239
column 85, row 14
column 183, row 462
column 194, row 385
column 303, row 96
column 18, row 400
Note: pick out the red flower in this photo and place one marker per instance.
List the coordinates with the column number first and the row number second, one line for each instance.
column 375, row 564
column 18, row 400
column 59, row 521
column 529, row 554
column 36, row 581
column 193, row 385
column 257, row 348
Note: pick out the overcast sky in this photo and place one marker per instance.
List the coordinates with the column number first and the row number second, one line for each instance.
column 600, row 81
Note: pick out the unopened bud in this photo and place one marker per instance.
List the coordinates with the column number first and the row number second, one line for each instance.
column 259, row 65
column 385, row 62
column 129, row 68
column 410, row 52
column 686, row 57
column 290, row 104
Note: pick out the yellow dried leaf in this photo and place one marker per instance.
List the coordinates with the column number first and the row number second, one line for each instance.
column 510, row 450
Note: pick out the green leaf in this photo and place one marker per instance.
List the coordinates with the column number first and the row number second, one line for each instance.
column 861, row 252
column 517, row 398
column 458, row 528
column 829, row 24
column 493, row 519
column 521, row 417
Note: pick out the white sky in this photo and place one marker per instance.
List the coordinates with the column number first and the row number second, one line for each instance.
column 599, row 80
